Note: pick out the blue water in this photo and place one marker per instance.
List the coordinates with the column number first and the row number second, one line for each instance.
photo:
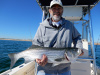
column 8, row 46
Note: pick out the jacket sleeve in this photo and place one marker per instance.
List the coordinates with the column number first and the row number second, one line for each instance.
column 76, row 38
column 38, row 38
column 78, row 42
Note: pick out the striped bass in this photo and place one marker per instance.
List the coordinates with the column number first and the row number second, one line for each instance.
column 54, row 55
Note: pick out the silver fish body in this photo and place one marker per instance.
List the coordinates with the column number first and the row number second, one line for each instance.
column 55, row 55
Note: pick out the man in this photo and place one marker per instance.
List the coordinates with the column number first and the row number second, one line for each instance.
column 55, row 32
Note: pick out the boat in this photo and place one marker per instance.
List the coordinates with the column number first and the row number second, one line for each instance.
column 75, row 11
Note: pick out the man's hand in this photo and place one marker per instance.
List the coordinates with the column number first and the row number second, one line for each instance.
column 82, row 53
column 43, row 61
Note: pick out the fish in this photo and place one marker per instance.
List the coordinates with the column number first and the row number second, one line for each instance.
column 54, row 55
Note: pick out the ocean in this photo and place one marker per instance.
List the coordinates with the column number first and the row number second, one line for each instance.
column 9, row 46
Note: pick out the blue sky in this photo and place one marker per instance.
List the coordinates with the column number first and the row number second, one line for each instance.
column 19, row 19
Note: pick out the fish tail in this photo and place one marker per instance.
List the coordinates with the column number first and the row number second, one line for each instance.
column 13, row 58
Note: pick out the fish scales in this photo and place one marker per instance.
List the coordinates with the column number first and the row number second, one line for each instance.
column 54, row 55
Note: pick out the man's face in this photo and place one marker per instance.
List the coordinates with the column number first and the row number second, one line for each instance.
column 56, row 12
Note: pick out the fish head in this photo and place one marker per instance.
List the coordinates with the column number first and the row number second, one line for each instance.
column 72, row 53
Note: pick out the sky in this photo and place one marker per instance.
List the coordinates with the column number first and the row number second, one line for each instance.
column 19, row 19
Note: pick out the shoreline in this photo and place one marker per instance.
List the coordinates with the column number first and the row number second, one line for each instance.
column 31, row 40
column 16, row 39
column 96, row 43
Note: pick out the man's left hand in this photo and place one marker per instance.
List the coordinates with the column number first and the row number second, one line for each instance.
column 82, row 53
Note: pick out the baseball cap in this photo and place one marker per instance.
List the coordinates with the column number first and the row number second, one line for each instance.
column 53, row 2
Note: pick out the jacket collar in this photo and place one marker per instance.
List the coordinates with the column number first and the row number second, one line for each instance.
column 48, row 22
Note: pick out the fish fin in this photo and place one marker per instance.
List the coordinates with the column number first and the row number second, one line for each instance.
column 13, row 58
column 59, row 59
column 54, row 64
